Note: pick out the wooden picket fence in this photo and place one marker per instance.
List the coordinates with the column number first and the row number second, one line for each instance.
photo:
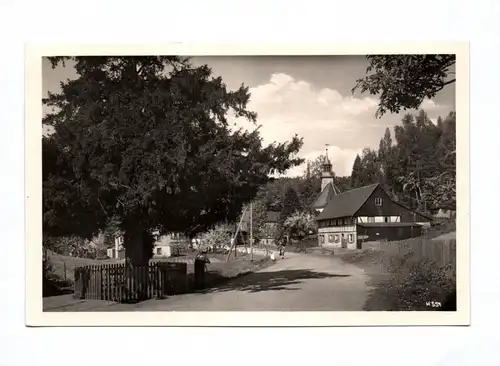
column 122, row 283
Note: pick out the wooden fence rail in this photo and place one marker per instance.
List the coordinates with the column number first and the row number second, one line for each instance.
column 443, row 252
column 122, row 283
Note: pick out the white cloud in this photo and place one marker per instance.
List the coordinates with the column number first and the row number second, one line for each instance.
column 341, row 159
column 429, row 105
column 286, row 106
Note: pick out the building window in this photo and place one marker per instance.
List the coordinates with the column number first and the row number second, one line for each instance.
column 371, row 219
column 158, row 250
column 330, row 238
column 321, row 239
column 378, row 201
column 351, row 238
column 387, row 219
column 336, row 238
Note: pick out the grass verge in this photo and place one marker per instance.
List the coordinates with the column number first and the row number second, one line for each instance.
column 405, row 283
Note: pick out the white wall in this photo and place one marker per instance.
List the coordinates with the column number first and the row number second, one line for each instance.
column 340, row 229
column 165, row 249
column 163, row 242
column 364, row 219
column 337, row 234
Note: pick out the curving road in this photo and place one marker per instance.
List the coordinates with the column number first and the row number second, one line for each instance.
column 299, row 282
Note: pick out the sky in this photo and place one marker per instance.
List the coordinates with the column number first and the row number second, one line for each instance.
column 305, row 95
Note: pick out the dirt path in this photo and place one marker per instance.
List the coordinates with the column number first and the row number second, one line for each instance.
column 299, row 282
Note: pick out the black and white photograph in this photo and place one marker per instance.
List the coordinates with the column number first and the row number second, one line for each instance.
column 329, row 183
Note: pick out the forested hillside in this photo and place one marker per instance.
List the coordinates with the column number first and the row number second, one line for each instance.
column 415, row 162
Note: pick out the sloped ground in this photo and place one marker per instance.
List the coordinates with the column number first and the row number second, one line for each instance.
column 404, row 283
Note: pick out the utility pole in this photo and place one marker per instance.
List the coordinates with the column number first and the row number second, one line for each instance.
column 233, row 244
column 251, row 232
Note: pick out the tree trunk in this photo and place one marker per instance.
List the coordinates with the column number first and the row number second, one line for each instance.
column 138, row 244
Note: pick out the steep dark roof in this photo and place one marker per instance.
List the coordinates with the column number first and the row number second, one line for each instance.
column 325, row 196
column 347, row 203
column 388, row 224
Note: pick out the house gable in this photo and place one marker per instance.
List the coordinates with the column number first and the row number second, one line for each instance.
column 379, row 203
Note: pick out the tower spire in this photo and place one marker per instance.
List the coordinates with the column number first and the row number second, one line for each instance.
column 327, row 166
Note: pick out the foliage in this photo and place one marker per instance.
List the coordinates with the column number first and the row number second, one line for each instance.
column 111, row 231
column 291, row 204
column 357, row 171
column 414, row 284
column 441, row 187
column 425, row 160
column 366, row 169
column 403, row 282
column 147, row 140
column 260, row 227
column 403, row 81
column 300, row 225
column 215, row 238
column 73, row 246
column 52, row 283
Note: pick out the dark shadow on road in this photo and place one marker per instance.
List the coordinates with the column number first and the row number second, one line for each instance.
column 266, row 281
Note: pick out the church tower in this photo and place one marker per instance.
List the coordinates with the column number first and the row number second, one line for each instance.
column 328, row 187
column 326, row 172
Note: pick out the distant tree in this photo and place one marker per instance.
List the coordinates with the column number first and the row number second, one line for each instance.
column 387, row 162
column 441, row 187
column 215, row 238
column 147, row 140
column 300, row 225
column 291, row 204
column 357, row 171
column 260, row 226
column 403, row 81
column 370, row 171
column 315, row 166
column 343, row 183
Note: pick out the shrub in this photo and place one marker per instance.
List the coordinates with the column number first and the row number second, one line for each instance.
column 414, row 283
column 405, row 282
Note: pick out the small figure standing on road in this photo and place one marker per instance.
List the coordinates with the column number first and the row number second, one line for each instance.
column 282, row 251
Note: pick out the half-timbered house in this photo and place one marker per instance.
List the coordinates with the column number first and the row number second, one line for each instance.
column 366, row 213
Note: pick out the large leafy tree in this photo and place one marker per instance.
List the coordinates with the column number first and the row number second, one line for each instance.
column 441, row 186
column 416, row 138
column 147, row 140
column 402, row 82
